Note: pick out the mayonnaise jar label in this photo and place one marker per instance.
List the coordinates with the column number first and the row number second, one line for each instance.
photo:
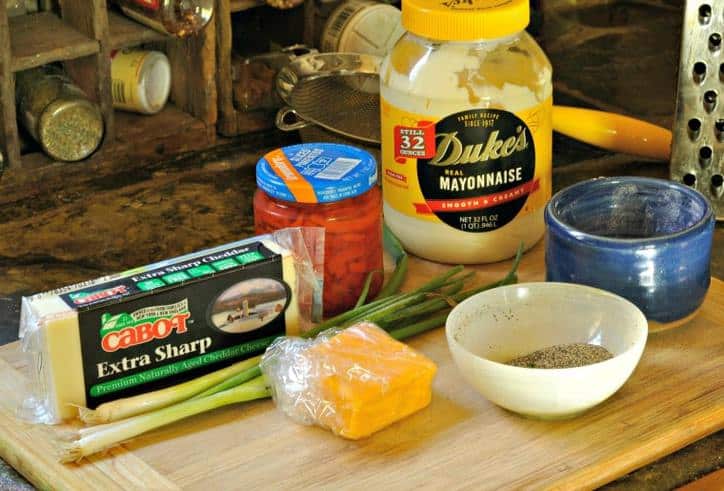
column 475, row 170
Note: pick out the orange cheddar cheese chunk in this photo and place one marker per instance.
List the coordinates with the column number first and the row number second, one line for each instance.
column 370, row 380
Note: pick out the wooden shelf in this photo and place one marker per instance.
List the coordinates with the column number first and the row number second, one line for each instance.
column 240, row 5
column 138, row 141
column 43, row 38
column 83, row 36
column 126, row 33
column 136, row 129
column 231, row 121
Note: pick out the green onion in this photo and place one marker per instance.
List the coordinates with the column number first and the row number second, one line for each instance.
column 395, row 249
column 414, row 313
column 365, row 289
column 396, row 279
column 419, row 327
column 143, row 403
column 435, row 304
column 373, row 308
column 98, row 438
column 237, row 379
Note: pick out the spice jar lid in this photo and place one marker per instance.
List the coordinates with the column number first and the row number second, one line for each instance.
column 70, row 129
column 362, row 26
column 465, row 20
column 316, row 172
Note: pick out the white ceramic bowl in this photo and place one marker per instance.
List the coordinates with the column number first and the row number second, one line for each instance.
column 495, row 326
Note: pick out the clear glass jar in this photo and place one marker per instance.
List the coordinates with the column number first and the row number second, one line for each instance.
column 176, row 17
column 58, row 114
column 338, row 192
column 466, row 98
column 361, row 26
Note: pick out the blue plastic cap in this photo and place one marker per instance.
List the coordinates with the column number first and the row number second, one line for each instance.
column 316, row 172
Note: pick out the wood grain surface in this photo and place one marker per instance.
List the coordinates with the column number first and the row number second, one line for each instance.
column 83, row 39
column 193, row 71
column 232, row 121
column 92, row 73
column 461, row 441
column 715, row 480
column 42, row 38
column 138, row 142
column 9, row 142
column 126, row 33
column 227, row 112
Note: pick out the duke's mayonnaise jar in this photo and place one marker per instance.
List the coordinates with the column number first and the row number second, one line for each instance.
column 466, row 100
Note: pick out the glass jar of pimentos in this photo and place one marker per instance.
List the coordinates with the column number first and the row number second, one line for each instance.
column 331, row 186
column 176, row 17
column 466, row 100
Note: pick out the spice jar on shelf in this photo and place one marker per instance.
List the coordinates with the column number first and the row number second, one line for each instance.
column 362, row 26
column 176, row 17
column 331, row 186
column 57, row 114
column 140, row 80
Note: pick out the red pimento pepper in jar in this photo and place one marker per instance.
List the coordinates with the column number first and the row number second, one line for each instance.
column 331, row 186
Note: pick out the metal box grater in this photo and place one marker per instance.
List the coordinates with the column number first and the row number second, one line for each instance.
column 697, row 154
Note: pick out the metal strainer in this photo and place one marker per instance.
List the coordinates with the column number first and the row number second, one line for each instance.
column 338, row 92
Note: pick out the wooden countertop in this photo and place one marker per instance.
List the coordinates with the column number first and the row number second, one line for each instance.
column 617, row 56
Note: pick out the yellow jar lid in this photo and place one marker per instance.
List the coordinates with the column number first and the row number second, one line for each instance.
column 465, row 20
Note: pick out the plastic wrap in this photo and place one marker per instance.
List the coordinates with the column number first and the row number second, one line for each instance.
column 307, row 246
column 159, row 325
column 353, row 382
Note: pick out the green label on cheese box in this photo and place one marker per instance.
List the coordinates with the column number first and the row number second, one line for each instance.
column 202, row 270
column 150, row 285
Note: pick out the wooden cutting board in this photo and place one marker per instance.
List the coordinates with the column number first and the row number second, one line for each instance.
column 461, row 441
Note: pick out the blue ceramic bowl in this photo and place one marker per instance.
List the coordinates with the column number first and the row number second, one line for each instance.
column 647, row 240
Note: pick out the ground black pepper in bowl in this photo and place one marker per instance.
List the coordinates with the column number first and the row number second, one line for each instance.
column 563, row 356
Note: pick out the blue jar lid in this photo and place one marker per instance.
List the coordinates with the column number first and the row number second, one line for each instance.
column 316, row 172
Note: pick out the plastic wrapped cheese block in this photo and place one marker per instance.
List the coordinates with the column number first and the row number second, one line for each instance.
column 354, row 382
column 160, row 325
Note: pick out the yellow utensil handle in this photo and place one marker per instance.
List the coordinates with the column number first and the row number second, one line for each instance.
column 613, row 132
